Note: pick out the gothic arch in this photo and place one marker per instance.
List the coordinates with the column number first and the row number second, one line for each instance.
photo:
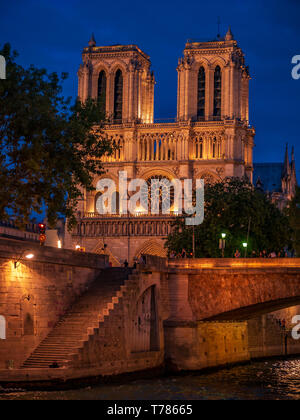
column 218, row 61
column 201, row 92
column 118, row 64
column 102, row 90
column 218, row 92
column 101, row 67
column 209, row 177
column 118, row 95
column 151, row 247
column 111, row 176
column 204, row 62
column 158, row 172
column 97, row 68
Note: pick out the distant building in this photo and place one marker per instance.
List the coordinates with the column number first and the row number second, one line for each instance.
column 10, row 230
column 278, row 180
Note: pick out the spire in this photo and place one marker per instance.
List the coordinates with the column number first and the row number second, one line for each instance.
column 229, row 35
column 293, row 164
column 286, row 168
column 92, row 41
column 293, row 154
column 259, row 184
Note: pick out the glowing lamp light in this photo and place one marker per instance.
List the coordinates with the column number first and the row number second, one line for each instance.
column 77, row 247
column 223, row 235
column 245, row 244
column 59, row 245
column 29, row 256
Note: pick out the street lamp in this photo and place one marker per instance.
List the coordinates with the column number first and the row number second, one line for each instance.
column 245, row 245
column 222, row 243
column 28, row 254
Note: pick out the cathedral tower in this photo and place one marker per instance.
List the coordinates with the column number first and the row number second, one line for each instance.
column 210, row 140
column 213, row 81
column 120, row 76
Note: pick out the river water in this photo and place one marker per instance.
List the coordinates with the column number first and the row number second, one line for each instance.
column 267, row 380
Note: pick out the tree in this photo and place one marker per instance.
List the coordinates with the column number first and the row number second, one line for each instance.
column 293, row 213
column 229, row 206
column 50, row 150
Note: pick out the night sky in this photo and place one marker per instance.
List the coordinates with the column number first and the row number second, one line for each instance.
column 51, row 34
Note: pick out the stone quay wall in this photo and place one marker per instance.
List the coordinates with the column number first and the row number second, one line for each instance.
column 36, row 293
column 189, row 314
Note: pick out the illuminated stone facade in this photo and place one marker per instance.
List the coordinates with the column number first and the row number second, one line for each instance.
column 210, row 139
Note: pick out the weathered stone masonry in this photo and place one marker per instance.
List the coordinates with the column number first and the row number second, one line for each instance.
column 35, row 295
column 189, row 314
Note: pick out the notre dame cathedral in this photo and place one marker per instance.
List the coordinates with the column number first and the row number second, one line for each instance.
column 210, row 139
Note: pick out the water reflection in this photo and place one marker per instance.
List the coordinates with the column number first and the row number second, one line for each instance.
column 260, row 380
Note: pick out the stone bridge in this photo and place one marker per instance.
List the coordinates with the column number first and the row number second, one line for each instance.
column 224, row 311
column 66, row 316
column 227, row 289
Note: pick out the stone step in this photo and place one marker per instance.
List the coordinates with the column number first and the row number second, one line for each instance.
column 82, row 321
column 49, row 358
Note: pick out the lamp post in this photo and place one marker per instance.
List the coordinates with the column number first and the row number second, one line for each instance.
column 245, row 245
column 194, row 250
column 128, row 213
column 193, row 230
column 249, row 227
column 28, row 254
column 222, row 243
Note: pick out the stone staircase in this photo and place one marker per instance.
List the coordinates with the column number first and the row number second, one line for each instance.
column 88, row 314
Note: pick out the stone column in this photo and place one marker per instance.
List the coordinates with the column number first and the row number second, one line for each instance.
column 180, row 309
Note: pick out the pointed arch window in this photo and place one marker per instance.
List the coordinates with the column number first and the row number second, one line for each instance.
column 217, row 92
column 201, row 150
column 102, row 91
column 118, row 97
column 201, row 94
column 214, row 149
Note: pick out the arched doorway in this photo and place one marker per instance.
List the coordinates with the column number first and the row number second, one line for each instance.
column 145, row 332
column 28, row 315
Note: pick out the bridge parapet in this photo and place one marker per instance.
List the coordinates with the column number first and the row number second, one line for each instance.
column 155, row 263
column 202, row 263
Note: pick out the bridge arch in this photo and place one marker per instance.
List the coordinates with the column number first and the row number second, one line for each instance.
column 247, row 312
column 243, row 289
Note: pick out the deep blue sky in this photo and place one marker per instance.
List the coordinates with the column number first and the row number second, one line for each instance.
column 52, row 34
